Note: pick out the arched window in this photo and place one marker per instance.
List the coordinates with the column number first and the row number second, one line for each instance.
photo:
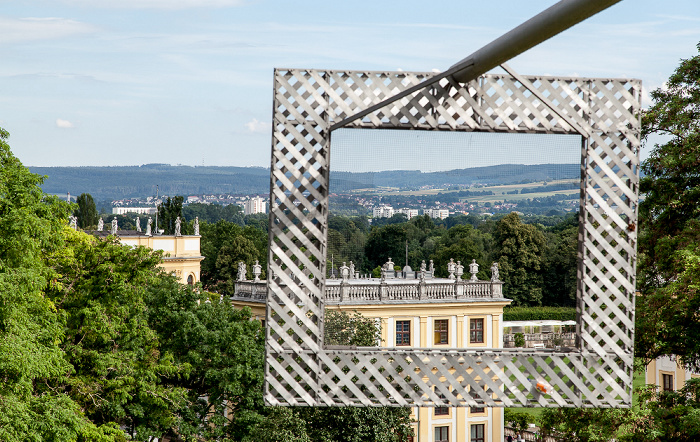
column 190, row 280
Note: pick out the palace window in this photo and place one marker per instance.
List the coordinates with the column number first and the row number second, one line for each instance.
column 441, row 331
column 477, row 431
column 403, row 333
column 667, row 383
column 442, row 434
column 476, row 331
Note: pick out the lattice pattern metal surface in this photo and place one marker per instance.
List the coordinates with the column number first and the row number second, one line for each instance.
column 300, row 371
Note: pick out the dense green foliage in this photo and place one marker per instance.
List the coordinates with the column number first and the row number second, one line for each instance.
column 86, row 211
column 32, row 360
column 539, row 314
column 660, row 416
column 669, row 240
column 168, row 212
column 212, row 213
column 224, row 244
column 537, row 263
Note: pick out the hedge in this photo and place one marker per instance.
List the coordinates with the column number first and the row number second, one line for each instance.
column 539, row 314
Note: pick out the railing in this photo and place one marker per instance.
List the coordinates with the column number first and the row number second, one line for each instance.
column 256, row 291
column 338, row 291
column 548, row 339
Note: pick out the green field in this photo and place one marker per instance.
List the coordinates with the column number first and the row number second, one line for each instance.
column 500, row 192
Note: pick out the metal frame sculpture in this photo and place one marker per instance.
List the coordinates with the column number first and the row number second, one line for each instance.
column 309, row 104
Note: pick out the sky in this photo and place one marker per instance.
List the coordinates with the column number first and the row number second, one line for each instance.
column 130, row 82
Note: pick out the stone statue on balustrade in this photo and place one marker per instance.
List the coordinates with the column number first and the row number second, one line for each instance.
column 473, row 269
column 451, row 267
column 345, row 272
column 494, row 272
column 115, row 227
column 431, row 268
column 148, row 227
column 73, row 222
column 389, row 265
column 100, row 225
column 138, row 224
column 241, row 271
column 178, row 225
column 257, row 270
column 459, row 270
column 352, row 270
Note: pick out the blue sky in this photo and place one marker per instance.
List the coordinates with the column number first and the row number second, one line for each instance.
column 128, row 82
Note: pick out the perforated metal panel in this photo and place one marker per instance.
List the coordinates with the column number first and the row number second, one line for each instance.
column 300, row 371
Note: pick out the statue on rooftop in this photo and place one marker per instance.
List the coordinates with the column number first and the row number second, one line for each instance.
column 473, row 269
column 100, row 225
column 241, row 271
column 494, row 272
column 73, row 222
column 352, row 270
column 431, row 268
column 114, row 226
column 344, row 272
column 257, row 270
column 178, row 225
column 196, row 225
column 148, row 227
column 138, row 224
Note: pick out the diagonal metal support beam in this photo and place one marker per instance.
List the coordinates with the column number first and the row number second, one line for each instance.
column 539, row 28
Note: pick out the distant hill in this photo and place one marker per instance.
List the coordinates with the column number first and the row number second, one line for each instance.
column 500, row 174
column 110, row 183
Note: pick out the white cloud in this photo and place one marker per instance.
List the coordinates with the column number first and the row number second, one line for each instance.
column 64, row 124
column 14, row 30
column 258, row 127
column 158, row 4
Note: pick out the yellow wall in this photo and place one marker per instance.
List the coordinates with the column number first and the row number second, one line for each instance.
column 182, row 255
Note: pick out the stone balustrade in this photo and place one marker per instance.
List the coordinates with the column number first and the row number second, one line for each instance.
column 375, row 290
column 253, row 290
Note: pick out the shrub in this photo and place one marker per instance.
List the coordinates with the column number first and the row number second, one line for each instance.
column 539, row 313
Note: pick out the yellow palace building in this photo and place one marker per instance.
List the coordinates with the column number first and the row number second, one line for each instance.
column 418, row 310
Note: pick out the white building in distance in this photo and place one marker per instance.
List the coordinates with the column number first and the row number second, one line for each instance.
column 438, row 213
column 383, row 211
column 254, row 205
column 125, row 210
column 410, row 213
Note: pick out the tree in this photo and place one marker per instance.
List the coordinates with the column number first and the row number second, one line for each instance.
column 116, row 356
column 224, row 244
column 659, row 416
column 168, row 212
column 559, row 275
column 461, row 243
column 223, row 352
column 31, row 358
column 86, row 211
column 384, row 243
column 519, row 250
column 669, row 219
